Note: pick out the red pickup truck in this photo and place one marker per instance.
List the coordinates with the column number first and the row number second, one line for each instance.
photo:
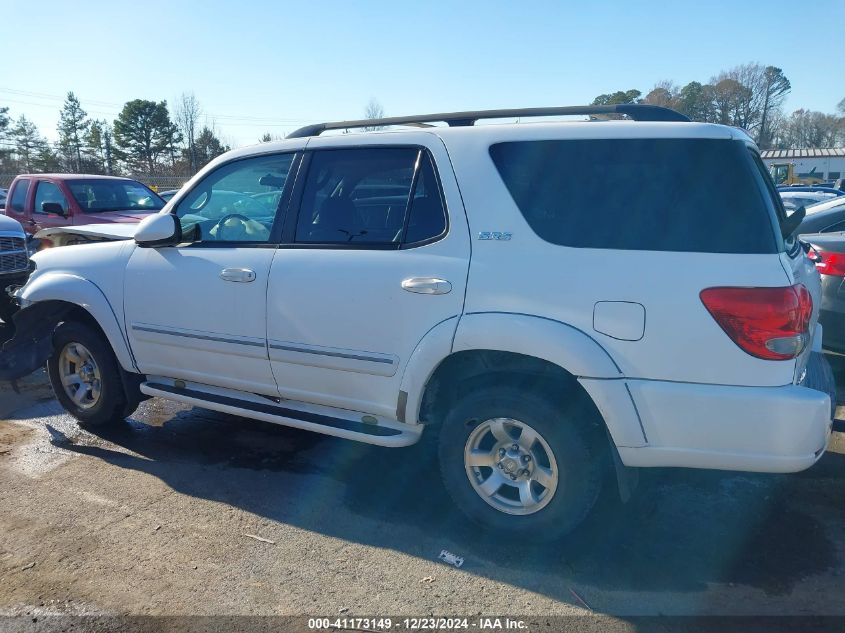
column 40, row 201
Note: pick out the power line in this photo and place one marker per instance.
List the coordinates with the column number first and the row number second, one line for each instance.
column 50, row 105
column 248, row 120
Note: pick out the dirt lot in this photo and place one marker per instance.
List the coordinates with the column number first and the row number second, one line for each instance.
column 154, row 518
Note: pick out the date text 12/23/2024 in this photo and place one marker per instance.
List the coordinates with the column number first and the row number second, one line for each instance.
column 418, row 624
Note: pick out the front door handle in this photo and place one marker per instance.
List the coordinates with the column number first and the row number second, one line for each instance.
column 427, row 285
column 237, row 274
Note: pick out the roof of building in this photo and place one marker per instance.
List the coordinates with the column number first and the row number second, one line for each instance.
column 833, row 152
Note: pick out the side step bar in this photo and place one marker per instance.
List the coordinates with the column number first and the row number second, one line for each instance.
column 391, row 434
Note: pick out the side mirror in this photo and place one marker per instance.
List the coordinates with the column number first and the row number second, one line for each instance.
column 159, row 229
column 53, row 207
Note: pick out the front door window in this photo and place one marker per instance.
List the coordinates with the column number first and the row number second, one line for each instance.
column 237, row 203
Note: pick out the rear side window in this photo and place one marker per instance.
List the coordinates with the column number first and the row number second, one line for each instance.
column 427, row 217
column 697, row 195
column 18, row 199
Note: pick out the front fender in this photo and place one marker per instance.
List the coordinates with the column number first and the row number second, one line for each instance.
column 76, row 290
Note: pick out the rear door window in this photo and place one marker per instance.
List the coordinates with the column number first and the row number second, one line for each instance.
column 383, row 196
column 17, row 201
column 696, row 195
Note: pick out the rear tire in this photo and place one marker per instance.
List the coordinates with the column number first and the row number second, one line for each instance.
column 85, row 376
column 514, row 462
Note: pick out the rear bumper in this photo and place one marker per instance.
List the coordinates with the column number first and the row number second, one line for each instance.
column 761, row 429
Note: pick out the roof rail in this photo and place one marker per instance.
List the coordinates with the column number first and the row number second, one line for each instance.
column 635, row 111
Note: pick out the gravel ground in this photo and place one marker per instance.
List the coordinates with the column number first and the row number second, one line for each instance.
column 155, row 517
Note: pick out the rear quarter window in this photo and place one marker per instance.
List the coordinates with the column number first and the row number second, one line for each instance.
column 697, row 195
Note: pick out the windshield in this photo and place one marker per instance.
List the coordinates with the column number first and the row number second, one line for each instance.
column 102, row 195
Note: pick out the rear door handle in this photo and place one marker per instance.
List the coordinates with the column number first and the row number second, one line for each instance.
column 237, row 274
column 427, row 285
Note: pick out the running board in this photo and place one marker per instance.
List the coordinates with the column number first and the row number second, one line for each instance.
column 380, row 432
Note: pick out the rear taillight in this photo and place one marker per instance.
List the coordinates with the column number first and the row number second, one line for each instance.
column 770, row 323
column 828, row 263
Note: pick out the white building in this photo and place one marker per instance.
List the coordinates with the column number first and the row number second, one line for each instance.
column 829, row 164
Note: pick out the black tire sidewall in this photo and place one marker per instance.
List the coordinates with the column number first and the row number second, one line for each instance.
column 8, row 308
column 112, row 398
column 578, row 459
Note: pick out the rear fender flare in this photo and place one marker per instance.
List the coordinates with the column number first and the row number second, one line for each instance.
column 432, row 349
column 550, row 340
column 559, row 343
column 554, row 341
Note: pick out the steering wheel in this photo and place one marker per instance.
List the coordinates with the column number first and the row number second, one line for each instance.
column 217, row 229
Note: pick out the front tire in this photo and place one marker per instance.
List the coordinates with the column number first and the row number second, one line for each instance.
column 84, row 375
column 514, row 462
column 7, row 309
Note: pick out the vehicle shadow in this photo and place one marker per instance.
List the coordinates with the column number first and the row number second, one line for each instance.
column 684, row 530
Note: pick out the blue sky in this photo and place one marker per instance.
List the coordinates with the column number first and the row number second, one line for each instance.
column 273, row 66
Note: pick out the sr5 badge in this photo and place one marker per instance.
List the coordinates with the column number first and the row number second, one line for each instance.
column 494, row 235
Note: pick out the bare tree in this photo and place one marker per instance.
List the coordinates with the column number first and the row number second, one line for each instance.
column 663, row 94
column 747, row 96
column 187, row 115
column 373, row 111
column 775, row 87
column 806, row 128
column 730, row 99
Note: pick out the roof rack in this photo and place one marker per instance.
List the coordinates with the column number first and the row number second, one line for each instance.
column 635, row 111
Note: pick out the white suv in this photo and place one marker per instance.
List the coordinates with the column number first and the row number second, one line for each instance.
column 553, row 302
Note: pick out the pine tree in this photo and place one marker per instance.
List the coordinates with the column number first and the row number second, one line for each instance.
column 73, row 127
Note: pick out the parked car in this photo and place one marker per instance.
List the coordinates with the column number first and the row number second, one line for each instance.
column 488, row 291
column 828, row 254
column 14, row 263
column 795, row 199
column 167, row 195
column 824, row 189
column 3, row 199
column 41, row 201
column 824, row 217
